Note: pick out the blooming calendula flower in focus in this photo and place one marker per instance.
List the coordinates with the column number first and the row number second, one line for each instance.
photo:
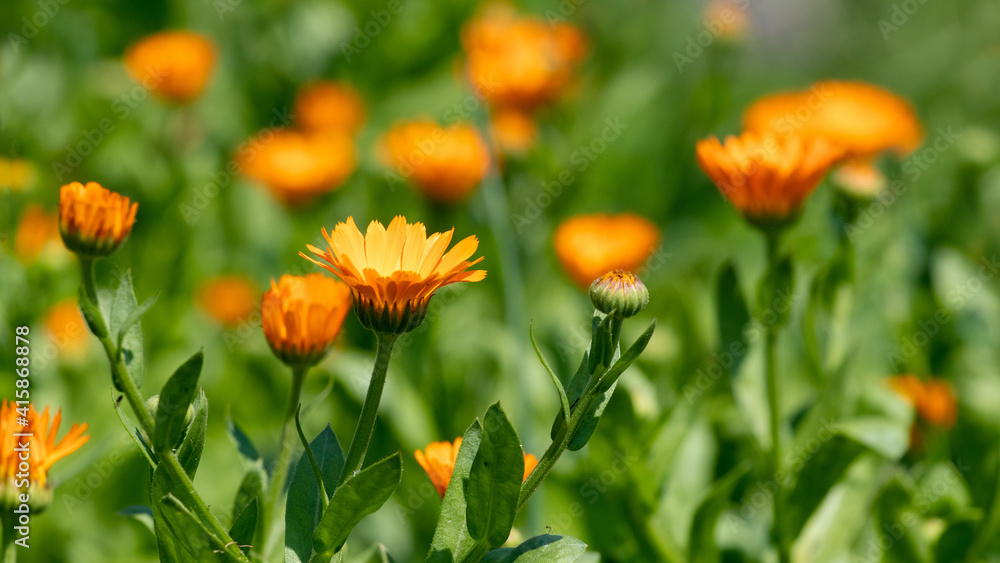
column 394, row 272
column 302, row 315
column 766, row 177
column 438, row 461
column 864, row 119
column 589, row 246
column 519, row 62
column 16, row 174
column 174, row 65
column 445, row 163
column 228, row 299
column 329, row 106
column 42, row 445
column 94, row 221
column 36, row 231
column 297, row 167
column 933, row 400
column 513, row 130
column 66, row 327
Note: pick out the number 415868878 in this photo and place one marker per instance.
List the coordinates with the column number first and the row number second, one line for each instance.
column 22, row 350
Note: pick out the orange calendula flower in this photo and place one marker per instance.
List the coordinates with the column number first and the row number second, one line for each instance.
column 727, row 19
column 445, row 163
column 438, row 461
column 66, row 327
column 174, row 65
column 16, row 174
column 43, row 448
column 329, row 106
column 94, row 221
column 514, row 130
column 394, row 272
column 36, row 231
column 589, row 246
column 297, row 167
column 767, row 178
column 228, row 299
column 302, row 315
column 864, row 119
column 520, row 62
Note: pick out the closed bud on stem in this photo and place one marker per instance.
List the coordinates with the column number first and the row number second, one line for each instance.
column 620, row 292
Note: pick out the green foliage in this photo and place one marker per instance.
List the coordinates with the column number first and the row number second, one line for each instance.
column 494, row 480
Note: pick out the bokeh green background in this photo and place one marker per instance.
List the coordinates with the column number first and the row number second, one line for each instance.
column 58, row 84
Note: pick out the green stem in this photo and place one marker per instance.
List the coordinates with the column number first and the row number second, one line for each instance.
column 988, row 531
column 276, row 486
column 131, row 392
column 774, row 411
column 369, row 412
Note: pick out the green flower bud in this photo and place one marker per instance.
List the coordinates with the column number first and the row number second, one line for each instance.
column 619, row 291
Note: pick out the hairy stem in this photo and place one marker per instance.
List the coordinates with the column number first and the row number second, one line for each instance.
column 369, row 412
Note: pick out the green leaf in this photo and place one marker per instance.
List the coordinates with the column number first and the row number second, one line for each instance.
column 546, row 548
column 175, row 398
column 243, row 444
column 191, row 533
column 703, row 547
column 362, row 494
column 580, row 380
column 451, row 538
column 130, row 345
column 628, row 358
column 140, row 513
column 495, row 480
column 132, row 427
column 896, row 517
column 190, row 450
column 304, row 506
column 92, row 315
column 245, row 525
column 818, row 475
column 774, row 295
column 954, row 543
column 251, row 488
column 132, row 318
column 563, row 399
column 589, row 421
column 733, row 316
column 167, row 543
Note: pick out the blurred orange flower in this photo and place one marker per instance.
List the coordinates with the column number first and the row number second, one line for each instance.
column 438, row 461
column 445, row 163
column 228, row 299
column 16, row 174
column 66, row 327
column 864, row 119
column 329, row 106
column 36, row 230
column 297, row 167
column 589, row 246
column 513, row 130
column 727, row 19
column 933, row 399
column 516, row 61
column 767, row 178
column 302, row 315
column 174, row 65
column 94, row 221
column 44, row 448
column 394, row 272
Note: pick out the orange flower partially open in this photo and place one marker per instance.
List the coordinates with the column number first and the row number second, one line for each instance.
column 589, row 246
column 329, row 106
column 228, row 299
column 520, row 62
column 302, row 315
column 864, row 119
column 94, row 221
column 174, row 65
column 394, row 272
column 297, row 167
column 36, row 231
column 438, row 461
column 445, row 163
column 66, row 328
column 766, row 177
column 42, row 446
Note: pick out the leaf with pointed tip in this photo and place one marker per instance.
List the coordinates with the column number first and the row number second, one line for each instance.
column 495, row 480
column 563, row 399
column 191, row 534
column 175, row 398
column 130, row 345
column 243, row 443
column 245, row 525
column 304, row 507
column 451, row 538
column 628, row 358
column 546, row 548
column 132, row 427
column 190, row 450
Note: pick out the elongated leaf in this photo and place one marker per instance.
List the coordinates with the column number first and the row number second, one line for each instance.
column 132, row 427
column 190, row 450
column 132, row 318
column 563, row 399
column 243, row 443
column 189, row 531
column 495, row 480
column 897, row 517
column 166, row 543
column 580, row 380
column 251, row 489
column 130, row 348
column 703, row 548
column 733, row 315
column 627, row 359
column 547, row 548
column 245, row 525
column 589, row 422
column 451, row 538
column 176, row 397
column 361, row 495
column 304, row 507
